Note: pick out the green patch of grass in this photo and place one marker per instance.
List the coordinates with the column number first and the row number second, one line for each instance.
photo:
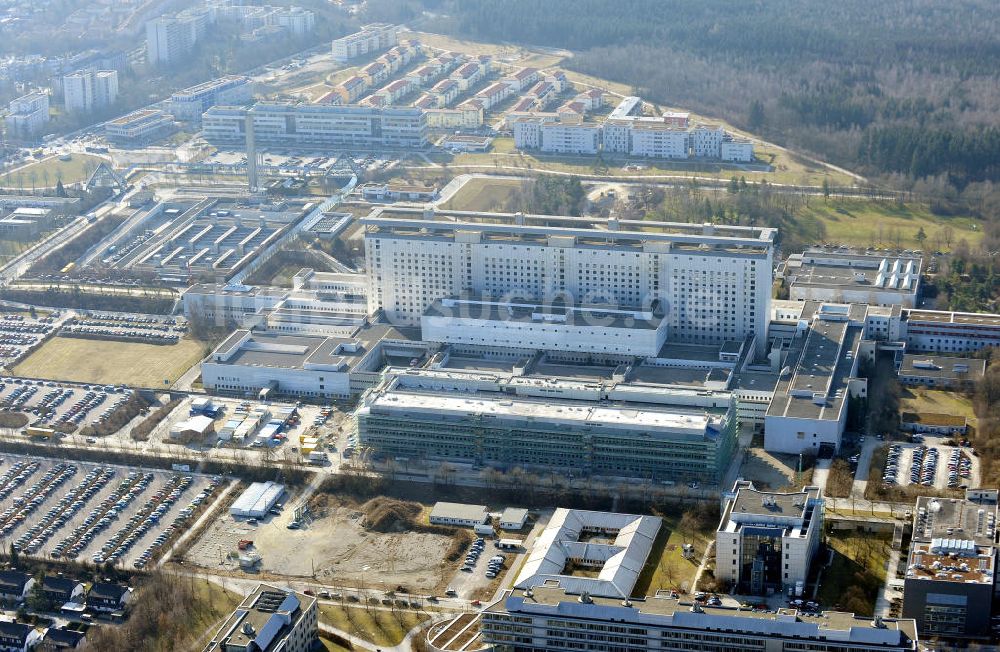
column 666, row 567
column 48, row 171
column 936, row 401
column 110, row 362
column 379, row 626
column 872, row 224
column 857, row 572
column 479, row 194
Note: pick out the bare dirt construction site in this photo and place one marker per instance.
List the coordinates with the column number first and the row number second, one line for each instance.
column 382, row 543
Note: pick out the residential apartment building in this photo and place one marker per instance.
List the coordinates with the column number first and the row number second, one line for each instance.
column 951, row 570
column 549, row 134
column 546, row 619
column 270, row 619
column 231, row 90
column 706, row 142
column 296, row 20
column 715, row 279
column 288, row 124
column 766, row 540
column 27, row 115
column 171, row 39
column 737, row 150
column 86, row 91
column 372, row 38
column 657, row 140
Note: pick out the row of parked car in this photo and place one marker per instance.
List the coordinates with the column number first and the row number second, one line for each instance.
column 925, row 461
column 20, row 327
column 147, row 516
column 959, row 468
column 75, row 499
column 182, row 517
column 101, row 517
column 17, row 398
column 15, row 476
column 119, row 334
column 26, row 504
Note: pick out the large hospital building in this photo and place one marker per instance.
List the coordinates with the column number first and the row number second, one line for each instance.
column 711, row 283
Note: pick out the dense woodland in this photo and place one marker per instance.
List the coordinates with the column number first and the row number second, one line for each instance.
column 887, row 88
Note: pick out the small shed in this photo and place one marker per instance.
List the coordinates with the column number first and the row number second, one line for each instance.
column 513, row 518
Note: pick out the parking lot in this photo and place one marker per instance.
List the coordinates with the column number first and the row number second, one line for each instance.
column 50, row 403
column 97, row 513
column 930, row 463
column 136, row 328
column 19, row 332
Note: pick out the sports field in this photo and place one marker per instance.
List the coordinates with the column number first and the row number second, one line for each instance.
column 110, row 362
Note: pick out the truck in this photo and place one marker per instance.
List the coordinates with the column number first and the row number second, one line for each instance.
column 42, row 433
column 317, row 457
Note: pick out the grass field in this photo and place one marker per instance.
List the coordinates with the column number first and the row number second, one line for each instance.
column 479, row 194
column 667, row 568
column 47, row 172
column 109, row 362
column 865, row 223
column 938, row 401
column 379, row 626
column 859, row 562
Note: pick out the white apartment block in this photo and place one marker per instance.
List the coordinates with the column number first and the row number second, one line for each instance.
column 736, row 150
column 28, row 114
column 561, row 138
column 766, row 540
column 712, row 282
column 86, row 91
column 372, row 38
column 548, row 134
column 706, row 142
column 658, row 141
column 296, row 20
column 170, row 39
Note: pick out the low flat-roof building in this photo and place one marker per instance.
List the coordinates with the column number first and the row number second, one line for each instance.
column 459, row 514
column 547, row 618
column 951, row 570
column 767, row 540
column 513, row 518
column 139, row 128
column 251, row 362
column 473, row 319
column 258, row 498
column 269, row 620
column 939, row 371
column 851, row 276
column 936, row 331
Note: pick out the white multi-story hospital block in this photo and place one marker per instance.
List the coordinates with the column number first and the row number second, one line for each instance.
column 711, row 283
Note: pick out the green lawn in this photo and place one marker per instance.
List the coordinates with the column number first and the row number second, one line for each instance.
column 48, row 171
column 858, row 570
column 866, row 224
column 924, row 401
column 666, row 567
column 379, row 626
column 479, row 194
column 110, row 362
